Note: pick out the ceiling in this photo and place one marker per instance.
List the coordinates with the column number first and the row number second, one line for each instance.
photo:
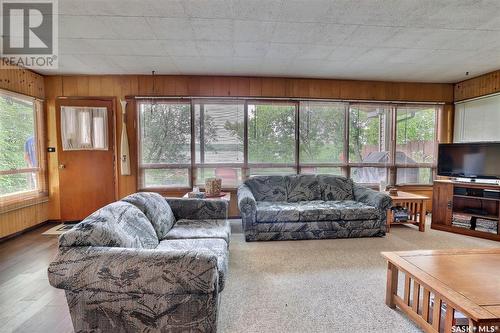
column 396, row 40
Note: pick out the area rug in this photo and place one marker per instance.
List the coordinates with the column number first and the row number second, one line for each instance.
column 59, row 229
column 335, row 285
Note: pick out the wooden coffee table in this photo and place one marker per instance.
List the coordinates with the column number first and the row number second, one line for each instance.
column 416, row 207
column 457, row 286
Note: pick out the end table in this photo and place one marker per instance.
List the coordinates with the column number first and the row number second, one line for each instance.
column 416, row 209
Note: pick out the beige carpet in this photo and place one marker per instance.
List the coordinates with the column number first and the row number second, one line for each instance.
column 320, row 285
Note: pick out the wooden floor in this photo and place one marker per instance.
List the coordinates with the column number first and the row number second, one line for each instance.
column 27, row 302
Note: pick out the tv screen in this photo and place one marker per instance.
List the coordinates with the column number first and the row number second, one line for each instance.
column 470, row 160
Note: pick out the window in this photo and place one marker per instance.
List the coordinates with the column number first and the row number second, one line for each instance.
column 415, row 144
column 271, row 136
column 369, row 142
column 219, row 136
column 22, row 163
column 322, row 128
column 164, row 144
column 184, row 142
column 84, row 128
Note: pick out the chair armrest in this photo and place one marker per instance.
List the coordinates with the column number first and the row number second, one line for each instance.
column 130, row 270
column 246, row 201
column 198, row 209
column 373, row 198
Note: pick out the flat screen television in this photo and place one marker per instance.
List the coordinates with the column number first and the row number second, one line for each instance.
column 469, row 160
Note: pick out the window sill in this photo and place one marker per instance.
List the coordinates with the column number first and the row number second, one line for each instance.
column 27, row 200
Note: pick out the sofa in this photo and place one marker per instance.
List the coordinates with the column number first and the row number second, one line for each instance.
column 145, row 264
column 310, row 207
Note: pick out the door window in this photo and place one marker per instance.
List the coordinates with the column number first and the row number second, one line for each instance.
column 84, row 128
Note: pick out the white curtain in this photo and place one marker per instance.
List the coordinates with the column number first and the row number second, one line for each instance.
column 84, row 128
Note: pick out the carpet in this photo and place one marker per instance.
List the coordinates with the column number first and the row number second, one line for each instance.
column 309, row 286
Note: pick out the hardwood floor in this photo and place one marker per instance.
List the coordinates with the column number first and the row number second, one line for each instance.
column 27, row 302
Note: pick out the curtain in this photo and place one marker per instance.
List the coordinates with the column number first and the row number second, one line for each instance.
column 84, row 128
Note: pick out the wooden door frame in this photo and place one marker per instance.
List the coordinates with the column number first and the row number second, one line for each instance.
column 75, row 101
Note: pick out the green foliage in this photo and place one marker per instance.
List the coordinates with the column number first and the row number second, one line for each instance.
column 271, row 134
column 363, row 131
column 322, row 134
column 16, row 126
column 166, row 132
column 416, row 126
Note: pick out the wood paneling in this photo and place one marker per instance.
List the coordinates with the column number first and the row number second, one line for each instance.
column 24, row 82
column 21, row 219
column 21, row 81
column 120, row 86
column 479, row 86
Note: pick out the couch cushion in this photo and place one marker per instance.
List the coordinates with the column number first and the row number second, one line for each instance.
column 119, row 224
column 318, row 226
column 355, row 210
column 187, row 229
column 302, row 188
column 214, row 246
column 156, row 209
column 311, row 211
column 277, row 211
column 268, row 188
column 335, row 188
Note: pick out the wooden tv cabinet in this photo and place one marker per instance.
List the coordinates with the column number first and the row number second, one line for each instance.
column 447, row 201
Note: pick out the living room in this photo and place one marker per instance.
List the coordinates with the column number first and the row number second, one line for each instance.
column 250, row 166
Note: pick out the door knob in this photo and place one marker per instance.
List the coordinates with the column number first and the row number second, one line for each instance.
column 62, row 166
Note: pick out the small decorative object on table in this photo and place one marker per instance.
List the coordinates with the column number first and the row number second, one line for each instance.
column 196, row 193
column 213, row 187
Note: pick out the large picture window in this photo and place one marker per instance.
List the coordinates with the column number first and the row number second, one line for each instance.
column 415, row 144
column 164, row 144
column 369, row 142
column 271, row 138
column 22, row 158
column 219, row 141
column 183, row 143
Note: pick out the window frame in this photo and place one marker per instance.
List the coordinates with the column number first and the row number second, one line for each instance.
column 20, row 199
column 346, row 167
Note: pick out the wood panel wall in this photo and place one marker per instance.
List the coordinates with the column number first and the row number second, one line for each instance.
column 25, row 82
column 479, row 86
column 21, row 81
column 121, row 86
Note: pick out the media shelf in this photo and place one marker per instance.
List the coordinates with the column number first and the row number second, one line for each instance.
column 466, row 208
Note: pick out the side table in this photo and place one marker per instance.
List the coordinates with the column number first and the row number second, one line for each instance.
column 416, row 209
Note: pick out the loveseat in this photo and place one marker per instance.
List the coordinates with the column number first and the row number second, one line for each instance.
column 145, row 264
column 310, row 206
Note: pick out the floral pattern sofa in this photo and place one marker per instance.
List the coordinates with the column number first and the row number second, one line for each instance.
column 309, row 207
column 145, row 264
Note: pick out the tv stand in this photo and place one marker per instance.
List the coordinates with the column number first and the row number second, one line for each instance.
column 477, row 181
column 468, row 208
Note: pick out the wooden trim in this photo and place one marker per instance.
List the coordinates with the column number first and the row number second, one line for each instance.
column 467, row 232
